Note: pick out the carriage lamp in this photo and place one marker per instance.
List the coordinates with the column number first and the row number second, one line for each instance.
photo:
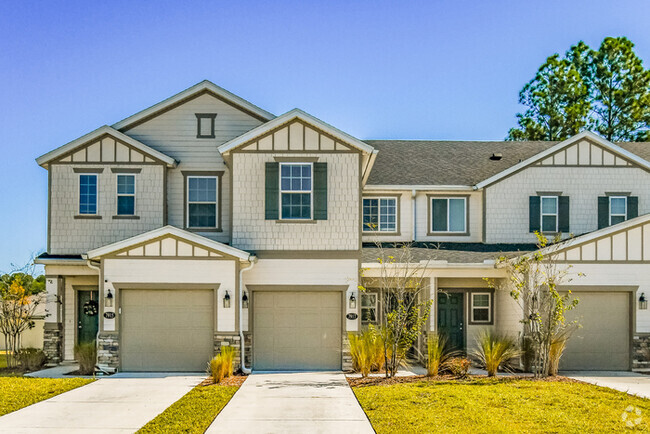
column 353, row 301
column 226, row 300
column 643, row 302
column 244, row 300
column 108, row 301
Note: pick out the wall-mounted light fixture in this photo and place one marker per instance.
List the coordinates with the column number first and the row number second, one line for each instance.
column 643, row 302
column 226, row 300
column 244, row 300
column 353, row 301
column 108, row 301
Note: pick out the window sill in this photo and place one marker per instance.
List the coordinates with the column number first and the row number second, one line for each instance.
column 87, row 217
column 448, row 234
column 126, row 217
column 300, row 221
column 482, row 323
column 381, row 234
column 203, row 229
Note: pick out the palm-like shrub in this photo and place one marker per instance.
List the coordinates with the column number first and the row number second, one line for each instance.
column 221, row 366
column 438, row 353
column 367, row 351
column 495, row 350
column 86, row 355
column 558, row 344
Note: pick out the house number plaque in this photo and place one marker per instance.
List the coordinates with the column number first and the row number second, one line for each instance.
column 109, row 315
column 351, row 315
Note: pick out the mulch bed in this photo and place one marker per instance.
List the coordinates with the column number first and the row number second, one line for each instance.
column 235, row 380
column 383, row 381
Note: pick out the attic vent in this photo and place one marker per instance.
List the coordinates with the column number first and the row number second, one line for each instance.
column 496, row 156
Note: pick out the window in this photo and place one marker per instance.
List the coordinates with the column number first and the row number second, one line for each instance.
column 125, row 194
column 617, row 209
column 448, row 214
column 202, row 202
column 296, row 190
column 87, row 194
column 380, row 214
column 368, row 308
column 205, row 125
column 549, row 213
column 481, row 307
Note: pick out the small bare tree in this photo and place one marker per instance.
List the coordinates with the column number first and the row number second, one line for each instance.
column 533, row 281
column 404, row 313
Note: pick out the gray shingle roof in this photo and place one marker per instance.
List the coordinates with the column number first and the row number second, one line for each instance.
column 435, row 162
column 453, row 253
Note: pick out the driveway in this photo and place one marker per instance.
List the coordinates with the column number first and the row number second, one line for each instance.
column 625, row 381
column 118, row 404
column 314, row 402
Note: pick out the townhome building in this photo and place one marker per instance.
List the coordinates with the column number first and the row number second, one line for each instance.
column 206, row 221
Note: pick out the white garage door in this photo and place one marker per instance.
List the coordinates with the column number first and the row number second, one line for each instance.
column 603, row 342
column 296, row 330
column 166, row 330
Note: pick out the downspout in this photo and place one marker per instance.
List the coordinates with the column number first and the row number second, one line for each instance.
column 252, row 260
column 413, row 194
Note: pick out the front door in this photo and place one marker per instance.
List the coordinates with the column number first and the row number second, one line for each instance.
column 451, row 319
column 87, row 316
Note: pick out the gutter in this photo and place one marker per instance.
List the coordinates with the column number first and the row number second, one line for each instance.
column 419, row 187
column 252, row 261
column 413, row 197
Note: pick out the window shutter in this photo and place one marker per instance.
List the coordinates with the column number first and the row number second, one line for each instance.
column 603, row 212
column 271, row 197
column 632, row 207
column 563, row 214
column 534, row 213
column 320, row 191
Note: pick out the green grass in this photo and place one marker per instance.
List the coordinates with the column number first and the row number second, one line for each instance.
column 194, row 412
column 19, row 392
column 498, row 406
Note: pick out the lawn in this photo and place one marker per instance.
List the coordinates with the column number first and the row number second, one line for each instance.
column 483, row 405
column 19, row 392
column 194, row 412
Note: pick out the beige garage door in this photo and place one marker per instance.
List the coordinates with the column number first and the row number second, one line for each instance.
column 296, row 330
column 603, row 342
column 166, row 330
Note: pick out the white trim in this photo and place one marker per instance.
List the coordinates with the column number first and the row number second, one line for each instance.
column 624, row 215
column 44, row 159
column 310, row 192
column 199, row 87
column 168, row 230
column 571, row 140
column 488, row 307
column 448, row 231
column 96, row 194
column 542, row 214
column 216, row 202
column 379, row 199
column 117, row 193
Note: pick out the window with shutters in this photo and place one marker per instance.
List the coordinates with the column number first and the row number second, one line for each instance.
column 617, row 209
column 380, row 214
column 448, row 215
column 549, row 213
column 296, row 191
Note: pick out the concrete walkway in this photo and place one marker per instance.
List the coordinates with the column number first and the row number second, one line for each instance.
column 624, row 381
column 116, row 404
column 313, row 402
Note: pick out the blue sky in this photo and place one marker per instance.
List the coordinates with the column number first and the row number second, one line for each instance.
column 411, row 70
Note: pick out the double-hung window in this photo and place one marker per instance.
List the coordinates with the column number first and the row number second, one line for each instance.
column 296, row 191
column 202, row 202
column 617, row 209
column 369, row 308
column 449, row 214
column 125, row 194
column 380, row 214
column 549, row 214
column 87, row 194
column 481, row 307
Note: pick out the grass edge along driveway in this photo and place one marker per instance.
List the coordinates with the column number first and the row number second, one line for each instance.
column 486, row 405
column 19, row 392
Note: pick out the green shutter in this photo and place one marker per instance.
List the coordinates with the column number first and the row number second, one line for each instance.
column 563, row 213
column 603, row 212
column 271, row 197
column 534, row 213
column 632, row 207
column 320, row 191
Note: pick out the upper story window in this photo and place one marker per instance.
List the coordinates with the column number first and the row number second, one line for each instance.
column 448, row 215
column 202, row 202
column 205, row 125
column 380, row 214
column 549, row 214
column 125, row 194
column 296, row 188
column 617, row 209
column 87, row 194
column 481, row 307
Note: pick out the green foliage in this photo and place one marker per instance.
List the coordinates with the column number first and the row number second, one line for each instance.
column 222, row 365
column 367, row 351
column 193, row 413
column 438, row 353
column 19, row 392
column 31, row 359
column 86, row 355
column 458, row 367
column 495, row 350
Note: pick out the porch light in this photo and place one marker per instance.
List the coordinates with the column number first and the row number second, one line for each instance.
column 643, row 302
column 353, row 301
column 108, row 302
column 226, row 300
column 244, row 300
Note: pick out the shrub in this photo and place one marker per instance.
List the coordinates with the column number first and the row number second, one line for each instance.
column 86, row 355
column 367, row 351
column 495, row 350
column 458, row 367
column 221, row 366
column 31, row 359
column 438, row 353
column 558, row 344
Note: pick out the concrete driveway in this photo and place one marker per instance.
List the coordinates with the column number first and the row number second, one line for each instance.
column 314, row 402
column 117, row 404
column 624, row 381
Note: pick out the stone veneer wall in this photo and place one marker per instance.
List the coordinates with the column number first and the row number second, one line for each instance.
column 108, row 346
column 641, row 351
column 233, row 340
column 346, row 356
column 53, row 342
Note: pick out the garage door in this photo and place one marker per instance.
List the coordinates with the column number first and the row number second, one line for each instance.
column 296, row 330
column 166, row 330
column 603, row 342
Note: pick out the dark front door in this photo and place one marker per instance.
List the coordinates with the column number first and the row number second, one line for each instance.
column 87, row 316
column 451, row 320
